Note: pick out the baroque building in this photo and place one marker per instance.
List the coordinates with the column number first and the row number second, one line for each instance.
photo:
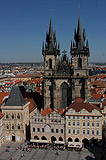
column 64, row 81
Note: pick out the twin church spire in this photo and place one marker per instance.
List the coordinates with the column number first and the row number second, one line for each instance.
column 51, row 45
column 79, row 38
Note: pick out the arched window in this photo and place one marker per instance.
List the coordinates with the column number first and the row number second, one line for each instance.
column 12, row 126
column 6, row 116
column 64, row 94
column 50, row 64
column 79, row 63
column 18, row 126
column 43, row 138
column 12, row 116
column 7, row 126
column 36, row 137
column 18, row 116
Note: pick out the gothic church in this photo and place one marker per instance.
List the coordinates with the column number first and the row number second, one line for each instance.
column 64, row 81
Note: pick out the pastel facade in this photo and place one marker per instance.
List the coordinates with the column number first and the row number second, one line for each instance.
column 47, row 125
column 1, row 130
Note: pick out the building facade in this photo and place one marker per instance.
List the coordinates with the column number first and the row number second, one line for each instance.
column 47, row 125
column 63, row 81
column 83, row 122
column 16, row 116
column 1, row 130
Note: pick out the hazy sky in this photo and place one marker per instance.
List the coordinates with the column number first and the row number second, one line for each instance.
column 23, row 25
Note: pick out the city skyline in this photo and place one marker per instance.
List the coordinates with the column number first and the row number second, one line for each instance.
column 23, row 27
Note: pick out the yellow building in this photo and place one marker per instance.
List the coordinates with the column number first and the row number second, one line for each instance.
column 83, row 122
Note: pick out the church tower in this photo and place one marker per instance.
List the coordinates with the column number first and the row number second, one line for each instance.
column 80, row 53
column 51, row 52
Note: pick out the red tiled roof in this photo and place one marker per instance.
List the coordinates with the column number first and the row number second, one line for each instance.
column 2, row 95
column 78, row 106
column 60, row 111
column 97, row 95
column 46, row 111
column 32, row 104
column 1, row 115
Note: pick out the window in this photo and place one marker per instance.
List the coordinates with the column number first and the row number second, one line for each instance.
column 7, row 126
column 61, row 130
column 6, row 116
column 57, row 131
column 92, row 124
column 97, row 132
column 83, row 131
column 104, row 122
column 73, row 123
column 73, row 117
column 87, row 123
column 87, row 131
column 69, row 117
column 12, row 126
column 41, row 120
column 97, row 124
column 92, row 117
column 83, row 123
column 50, row 64
column 97, row 117
column 73, row 131
column 52, row 130
column 87, row 117
column 69, row 123
column 18, row 126
column 78, row 123
column 33, row 129
column 38, row 129
column 79, row 63
column 69, row 130
column 92, row 132
column 77, row 131
column 18, row 116
column 12, row 116
column 77, row 117
column 42, row 129
column 83, row 117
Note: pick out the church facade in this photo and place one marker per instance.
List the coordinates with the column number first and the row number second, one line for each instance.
column 64, row 80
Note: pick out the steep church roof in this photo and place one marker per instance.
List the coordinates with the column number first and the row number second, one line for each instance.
column 15, row 98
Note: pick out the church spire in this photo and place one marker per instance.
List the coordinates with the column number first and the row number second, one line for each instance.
column 51, row 42
column 79, row 36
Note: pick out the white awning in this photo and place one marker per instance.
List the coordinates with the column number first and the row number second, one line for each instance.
column 59, row 142
column 39, row 141
column 75, row 144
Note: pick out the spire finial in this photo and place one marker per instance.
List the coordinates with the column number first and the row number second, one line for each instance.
column 50, row 13
column 79, row 9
